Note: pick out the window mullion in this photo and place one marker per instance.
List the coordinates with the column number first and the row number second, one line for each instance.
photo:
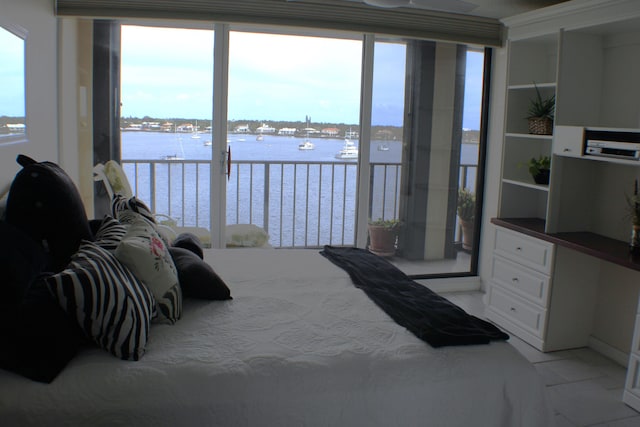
column 364, row 167
column 218, row 205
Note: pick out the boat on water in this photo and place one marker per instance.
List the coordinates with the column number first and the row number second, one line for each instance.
column 260, row 138
column 196, row 133
column 383, row 147
column 349, row 150
column 173, row 157
column 307, row 145
column 208, row 143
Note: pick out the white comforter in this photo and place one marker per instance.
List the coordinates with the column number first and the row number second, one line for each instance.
column 298, row 345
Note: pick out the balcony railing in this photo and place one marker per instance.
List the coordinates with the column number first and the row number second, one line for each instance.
column 299, row 203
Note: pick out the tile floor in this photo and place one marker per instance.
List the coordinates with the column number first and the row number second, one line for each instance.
column 585, row 388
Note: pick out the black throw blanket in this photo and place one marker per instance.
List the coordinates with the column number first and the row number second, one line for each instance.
column 427, row 315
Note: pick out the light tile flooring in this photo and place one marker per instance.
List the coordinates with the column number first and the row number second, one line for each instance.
column 585, row 388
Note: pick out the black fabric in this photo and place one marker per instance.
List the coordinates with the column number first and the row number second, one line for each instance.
column 21, row 260
column 44, row 202
column 430, row 317
column 197, row 279
column 38, row 337
column 189, row 241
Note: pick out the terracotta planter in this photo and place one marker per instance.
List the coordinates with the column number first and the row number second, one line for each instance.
column 467, row 234
column 382, row 241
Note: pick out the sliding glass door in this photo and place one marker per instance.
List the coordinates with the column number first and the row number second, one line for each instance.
column 292, row 101
column 309, row 136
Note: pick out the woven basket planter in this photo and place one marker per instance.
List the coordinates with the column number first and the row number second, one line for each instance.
column 540, row 126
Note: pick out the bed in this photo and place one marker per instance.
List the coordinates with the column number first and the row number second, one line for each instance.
column 297, row 345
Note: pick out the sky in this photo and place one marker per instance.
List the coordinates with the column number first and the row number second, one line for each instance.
column 168, row 73
column 12, row 90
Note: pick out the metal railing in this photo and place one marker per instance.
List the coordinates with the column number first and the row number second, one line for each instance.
column 299, row 203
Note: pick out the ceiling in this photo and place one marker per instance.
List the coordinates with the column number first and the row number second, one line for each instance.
column 486, row 8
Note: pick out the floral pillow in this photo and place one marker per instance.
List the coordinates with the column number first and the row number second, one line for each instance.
column 146, row 255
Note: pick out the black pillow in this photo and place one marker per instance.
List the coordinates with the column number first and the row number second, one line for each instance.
column 44, row 202
column 38, row 337
column 197, row 278
column 189, row 241
column 21, row 260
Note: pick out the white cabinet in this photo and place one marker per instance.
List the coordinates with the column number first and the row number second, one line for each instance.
column 520, row 282
column 568, row 141
column 544, row 281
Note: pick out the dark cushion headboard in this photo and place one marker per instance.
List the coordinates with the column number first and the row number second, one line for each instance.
column 44, row 203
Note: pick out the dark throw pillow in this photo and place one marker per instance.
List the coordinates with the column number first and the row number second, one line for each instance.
column 45, row 203
column 38, row 337
column 189, row 241
column 21, row 261
column 197, row 278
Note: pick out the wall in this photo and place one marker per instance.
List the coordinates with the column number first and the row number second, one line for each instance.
column 37, row 18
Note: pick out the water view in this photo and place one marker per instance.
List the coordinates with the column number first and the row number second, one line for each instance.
column 311, row 194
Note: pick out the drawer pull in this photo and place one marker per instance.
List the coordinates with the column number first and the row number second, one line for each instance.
column 513, row 309
column 515, row 280
column 519, row 249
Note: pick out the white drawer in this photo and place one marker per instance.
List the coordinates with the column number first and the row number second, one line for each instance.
column 529, row 284
column 517, row 310
column 526, row 250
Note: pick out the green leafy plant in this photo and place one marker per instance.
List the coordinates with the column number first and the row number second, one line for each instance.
column 633, row 206
column 542, row 107
column 466, row 205
column 537, row 166
column 388, row 224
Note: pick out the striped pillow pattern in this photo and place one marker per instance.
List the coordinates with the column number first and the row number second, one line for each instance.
column 109, row 303
column 110, row 234
column 122, row 207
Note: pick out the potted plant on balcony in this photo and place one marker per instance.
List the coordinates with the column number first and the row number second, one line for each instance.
column 383, row 236
column 466, row 213
column 540, row 169
column 541, row 112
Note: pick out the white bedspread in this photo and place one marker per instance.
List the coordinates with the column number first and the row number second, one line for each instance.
column 298, row 345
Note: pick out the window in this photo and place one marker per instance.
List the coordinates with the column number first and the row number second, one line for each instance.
column 12, row 86
column 326, row 132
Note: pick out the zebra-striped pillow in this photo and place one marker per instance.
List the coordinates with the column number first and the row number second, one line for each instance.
column 109, row 303
column 122, row 208
column 110, row 234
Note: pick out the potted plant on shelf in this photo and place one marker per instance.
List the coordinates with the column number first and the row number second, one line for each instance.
column 541, row 112
column 633, row 205
column 540, row 169
column 383, row 236
column 466, row 210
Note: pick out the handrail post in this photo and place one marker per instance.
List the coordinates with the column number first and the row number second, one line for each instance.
column 265, row 209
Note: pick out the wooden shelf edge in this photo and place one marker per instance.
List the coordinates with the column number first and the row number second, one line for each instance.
column 596, row 245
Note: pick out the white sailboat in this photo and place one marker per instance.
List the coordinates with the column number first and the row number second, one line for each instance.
column 307, row 145
column 176, row 156
column 349, row 150
column 196, row 134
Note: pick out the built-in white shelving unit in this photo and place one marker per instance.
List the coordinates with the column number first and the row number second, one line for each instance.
column 550, row 240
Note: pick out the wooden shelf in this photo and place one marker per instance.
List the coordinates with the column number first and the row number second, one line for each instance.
column 601, row 247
